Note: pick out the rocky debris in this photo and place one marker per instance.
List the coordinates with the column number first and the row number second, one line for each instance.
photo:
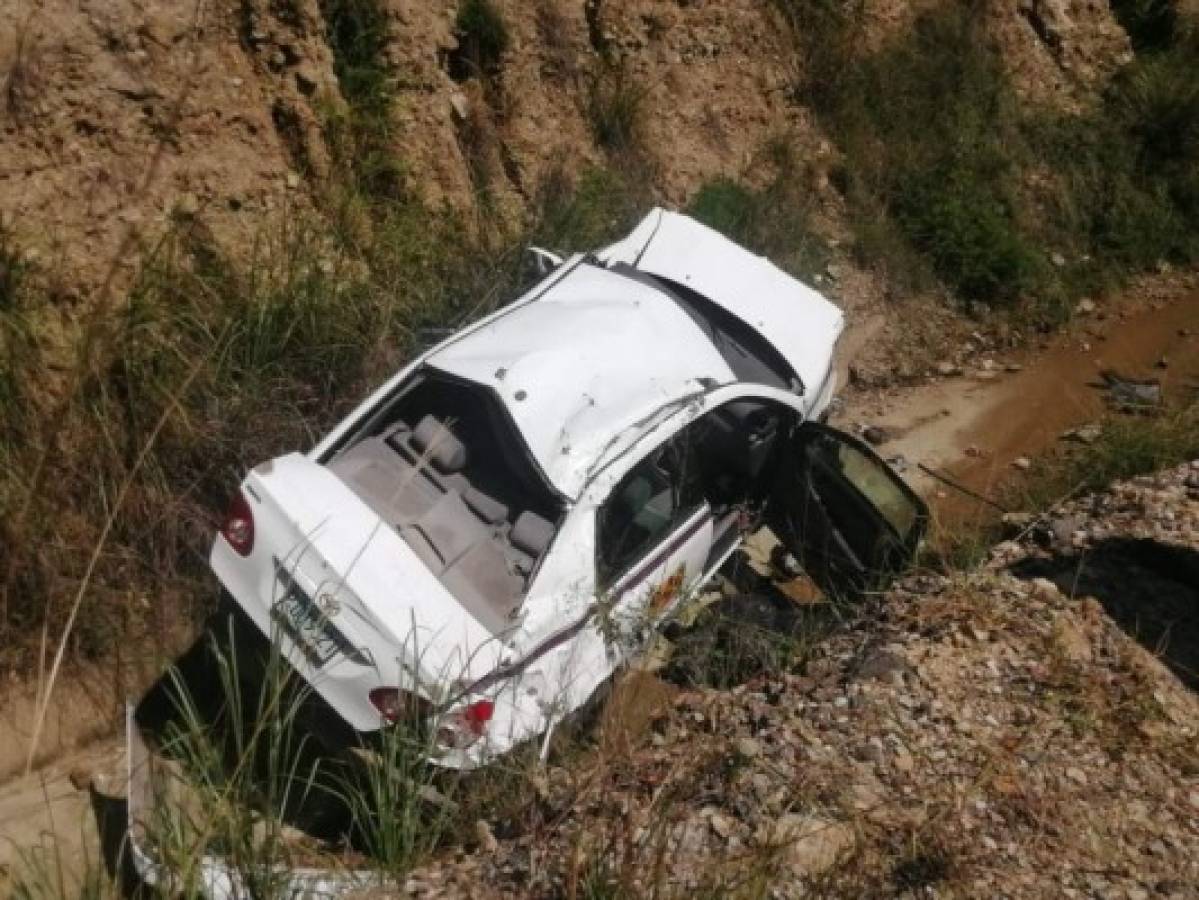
column 982, row 734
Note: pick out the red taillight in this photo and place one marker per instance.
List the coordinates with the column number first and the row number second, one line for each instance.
column 396, row 705
column 238, row 525
column 463, row 727
column 477, row 715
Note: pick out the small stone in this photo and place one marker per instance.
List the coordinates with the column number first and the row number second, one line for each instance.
column 878, row 665
column 1072, row 643
column 948, row 369
column 1076, row 775
column 721, row 824
column 1084, row 434
column 460, row 105
column 1044, row 589
column 812, row 845
column 187, row 205
column 1085, row 306
column 1023, row 463
column 1057, row 259
column 487, row 842
column 748, row 748
column 293, row 181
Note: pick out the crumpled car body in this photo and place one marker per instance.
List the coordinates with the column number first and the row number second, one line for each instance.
column 497, row 529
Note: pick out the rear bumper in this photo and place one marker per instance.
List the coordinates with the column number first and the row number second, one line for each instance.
column 208, row 875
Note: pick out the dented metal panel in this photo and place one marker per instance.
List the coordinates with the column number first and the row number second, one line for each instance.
column 590, row 358
column 798, row 321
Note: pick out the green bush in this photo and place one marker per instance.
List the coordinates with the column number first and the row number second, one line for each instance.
column 774, row 220
column 361, row 136
column 615, row 105
column 946, row 172
column 1151, row 24
column 483, row 38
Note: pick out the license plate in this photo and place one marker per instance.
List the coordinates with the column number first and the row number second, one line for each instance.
column 307, row 626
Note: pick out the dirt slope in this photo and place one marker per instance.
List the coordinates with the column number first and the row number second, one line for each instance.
column 117, row 114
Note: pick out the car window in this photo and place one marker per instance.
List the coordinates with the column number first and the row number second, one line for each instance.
column 642, row 510
column 876, row 483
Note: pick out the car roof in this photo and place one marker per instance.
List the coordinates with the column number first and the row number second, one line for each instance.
column 582, row 367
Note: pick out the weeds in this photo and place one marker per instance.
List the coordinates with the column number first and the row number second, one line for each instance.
column 361, row 134
column 615, row 106
column 482, row 40
column 945, row 173
column 1127, row 446
column 16, row 341
column 774, row 220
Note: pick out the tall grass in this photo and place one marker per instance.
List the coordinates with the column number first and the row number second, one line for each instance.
column 775, row 220
column 947, row 174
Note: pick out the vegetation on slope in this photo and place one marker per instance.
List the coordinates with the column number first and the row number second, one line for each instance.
column 946, row 173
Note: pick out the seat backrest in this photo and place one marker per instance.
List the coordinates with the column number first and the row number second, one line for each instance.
column 531, row 533
column 434, row 440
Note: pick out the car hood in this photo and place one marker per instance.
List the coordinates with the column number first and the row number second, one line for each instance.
column 798, row 321
column 334, row 546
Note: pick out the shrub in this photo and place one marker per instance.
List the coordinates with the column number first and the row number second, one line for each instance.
column 483, row 40
column 773, row 220
column 615, row 104
column 1151, row 24
column 360, row 136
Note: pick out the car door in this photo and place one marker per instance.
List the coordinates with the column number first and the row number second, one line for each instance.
column 653, row 536
column 848, row 518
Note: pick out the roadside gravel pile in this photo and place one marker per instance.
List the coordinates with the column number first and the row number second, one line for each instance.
column 983, row 735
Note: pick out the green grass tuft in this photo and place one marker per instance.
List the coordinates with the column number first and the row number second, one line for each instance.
column 483, row 38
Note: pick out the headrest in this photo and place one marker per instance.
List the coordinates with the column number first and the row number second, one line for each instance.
column 486, row 508
column 531, row 533
column 434, row 440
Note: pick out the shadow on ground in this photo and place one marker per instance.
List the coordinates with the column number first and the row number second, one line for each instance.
column 1149, row 588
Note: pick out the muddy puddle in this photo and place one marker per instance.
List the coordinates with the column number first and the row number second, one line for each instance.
column 973, row 428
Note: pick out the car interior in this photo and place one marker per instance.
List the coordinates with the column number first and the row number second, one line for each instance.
column 722, row 459
column 442, row 470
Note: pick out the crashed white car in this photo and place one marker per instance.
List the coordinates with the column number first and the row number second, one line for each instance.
column 500, row 526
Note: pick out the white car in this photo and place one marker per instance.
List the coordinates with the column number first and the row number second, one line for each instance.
column 500, row 526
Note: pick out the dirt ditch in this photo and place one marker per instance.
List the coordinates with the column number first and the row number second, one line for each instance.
column 976, row 425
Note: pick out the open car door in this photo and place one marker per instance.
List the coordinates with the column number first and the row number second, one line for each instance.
column 848, row 518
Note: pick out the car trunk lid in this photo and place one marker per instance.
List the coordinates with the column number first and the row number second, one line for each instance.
column 325, row 554
column 797, row 320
